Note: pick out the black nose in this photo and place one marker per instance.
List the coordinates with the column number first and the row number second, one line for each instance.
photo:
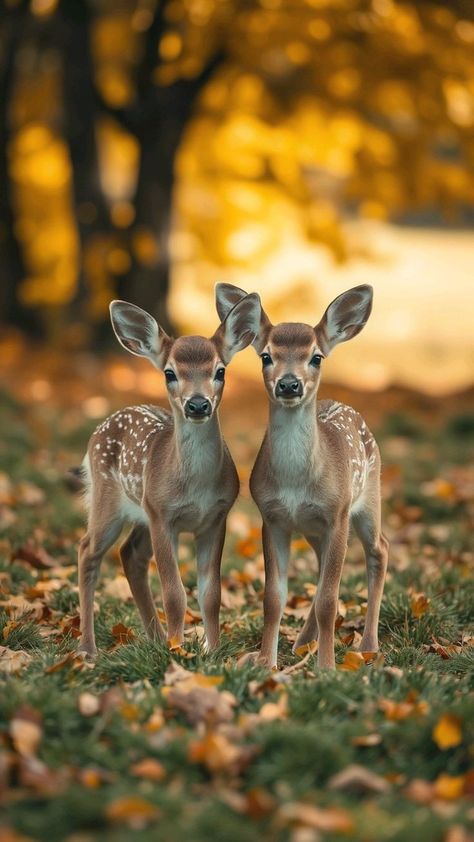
column 289, row 387
column 197, row 406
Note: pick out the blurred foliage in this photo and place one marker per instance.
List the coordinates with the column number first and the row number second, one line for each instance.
column 309, row 112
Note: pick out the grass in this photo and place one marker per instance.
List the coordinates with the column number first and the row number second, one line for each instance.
column 254, row 774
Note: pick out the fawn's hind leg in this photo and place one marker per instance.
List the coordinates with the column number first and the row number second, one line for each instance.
column 135, row 553
column 105, row 525
column 366, row 522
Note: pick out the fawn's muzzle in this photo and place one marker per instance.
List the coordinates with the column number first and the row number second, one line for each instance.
column 197, row 407
column 289, row 387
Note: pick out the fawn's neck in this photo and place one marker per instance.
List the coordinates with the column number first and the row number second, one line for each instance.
column 293, row 438
column 199, row 447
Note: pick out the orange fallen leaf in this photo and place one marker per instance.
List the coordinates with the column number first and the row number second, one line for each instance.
column 123, row 634
column 419, row 604
column 352, row 662
column 449, row 787
column 275, row 710
column 447, row 732
column 218, row 754
column 307, row 648
column 131, row 810
column 149, row 769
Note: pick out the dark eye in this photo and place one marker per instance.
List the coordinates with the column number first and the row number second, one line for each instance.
column 170, row 376
column 315, row 360
column 266, row 359
column 220, row 374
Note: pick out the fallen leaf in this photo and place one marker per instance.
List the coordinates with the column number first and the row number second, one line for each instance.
column 26, row 731
column 218, row 754
column 118, row 588
column 123, row 634
column 88, row 704
column 419, row 604
column 149, row 769
column 330, row 820
column 13, row 660
column 72, row 659
column 419, row 791
column 307, row 648
column 352, row 662
column 447, row 732
column 36, row 556
column 275, row 710
column 367, row 740
column 132, row 811
column 356, row 778
column 449, row 787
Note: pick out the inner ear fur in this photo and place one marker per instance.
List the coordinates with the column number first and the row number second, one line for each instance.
column 345, row 317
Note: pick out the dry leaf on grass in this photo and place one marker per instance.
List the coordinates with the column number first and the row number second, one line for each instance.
column 37, row 557
column 419, row 604
column 373, row 739
column 352, row 662
column 132, row 811
column 149, row 769
column 218, row 754
column 330, row 820
column 447, row 732
column 449, row 787
column 356, row 778
column 26, row 730
column 13, row 660
column 118, row 588
column 122, row 634
column 88, row 704
column 397, row 711
column 195, row 695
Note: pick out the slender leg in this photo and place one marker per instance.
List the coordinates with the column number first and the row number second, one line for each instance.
column 95, row 543
column 174, row 595
column 309, row 631
column 333, row 551
column 209, row 554
column 276, row 549
column 367, row 525
column 135, row 554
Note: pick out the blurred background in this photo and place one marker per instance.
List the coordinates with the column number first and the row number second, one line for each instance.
column 149, row 148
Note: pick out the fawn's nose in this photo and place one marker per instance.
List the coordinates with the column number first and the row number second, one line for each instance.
column 289, row 387
column 198, row 407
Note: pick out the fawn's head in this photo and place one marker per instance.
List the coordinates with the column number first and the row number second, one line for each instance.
column 194, row 367
column 292, row 352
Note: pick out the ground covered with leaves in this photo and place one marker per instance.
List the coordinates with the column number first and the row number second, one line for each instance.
column 151, row 744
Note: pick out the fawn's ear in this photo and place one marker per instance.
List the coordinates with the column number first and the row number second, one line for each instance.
column 345, row 317
column 139, row 333
column 239, row 328
column 227, row 296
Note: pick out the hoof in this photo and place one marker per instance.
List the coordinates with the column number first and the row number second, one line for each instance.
column 255, row 658
column 88, row 654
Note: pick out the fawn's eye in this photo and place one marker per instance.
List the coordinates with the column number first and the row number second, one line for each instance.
column 266, row 359
column 170, row 376
column 220, row 374
column 316, row 360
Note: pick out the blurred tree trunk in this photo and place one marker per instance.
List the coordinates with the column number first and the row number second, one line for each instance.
column 12, row 268
column 80, row 112
column 158, row 119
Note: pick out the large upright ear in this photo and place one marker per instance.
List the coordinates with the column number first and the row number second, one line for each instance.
column 344, row 317
column 139, row 333
column 227, row 296
column 239, row 328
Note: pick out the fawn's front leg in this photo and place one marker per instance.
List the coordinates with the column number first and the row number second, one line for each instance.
column 309, row 631
column 172, row 588
column 209, row 546
column 333, row 552
column 276, row 549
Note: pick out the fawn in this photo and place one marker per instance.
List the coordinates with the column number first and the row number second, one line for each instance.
column 165, row 472
column 317, row 472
